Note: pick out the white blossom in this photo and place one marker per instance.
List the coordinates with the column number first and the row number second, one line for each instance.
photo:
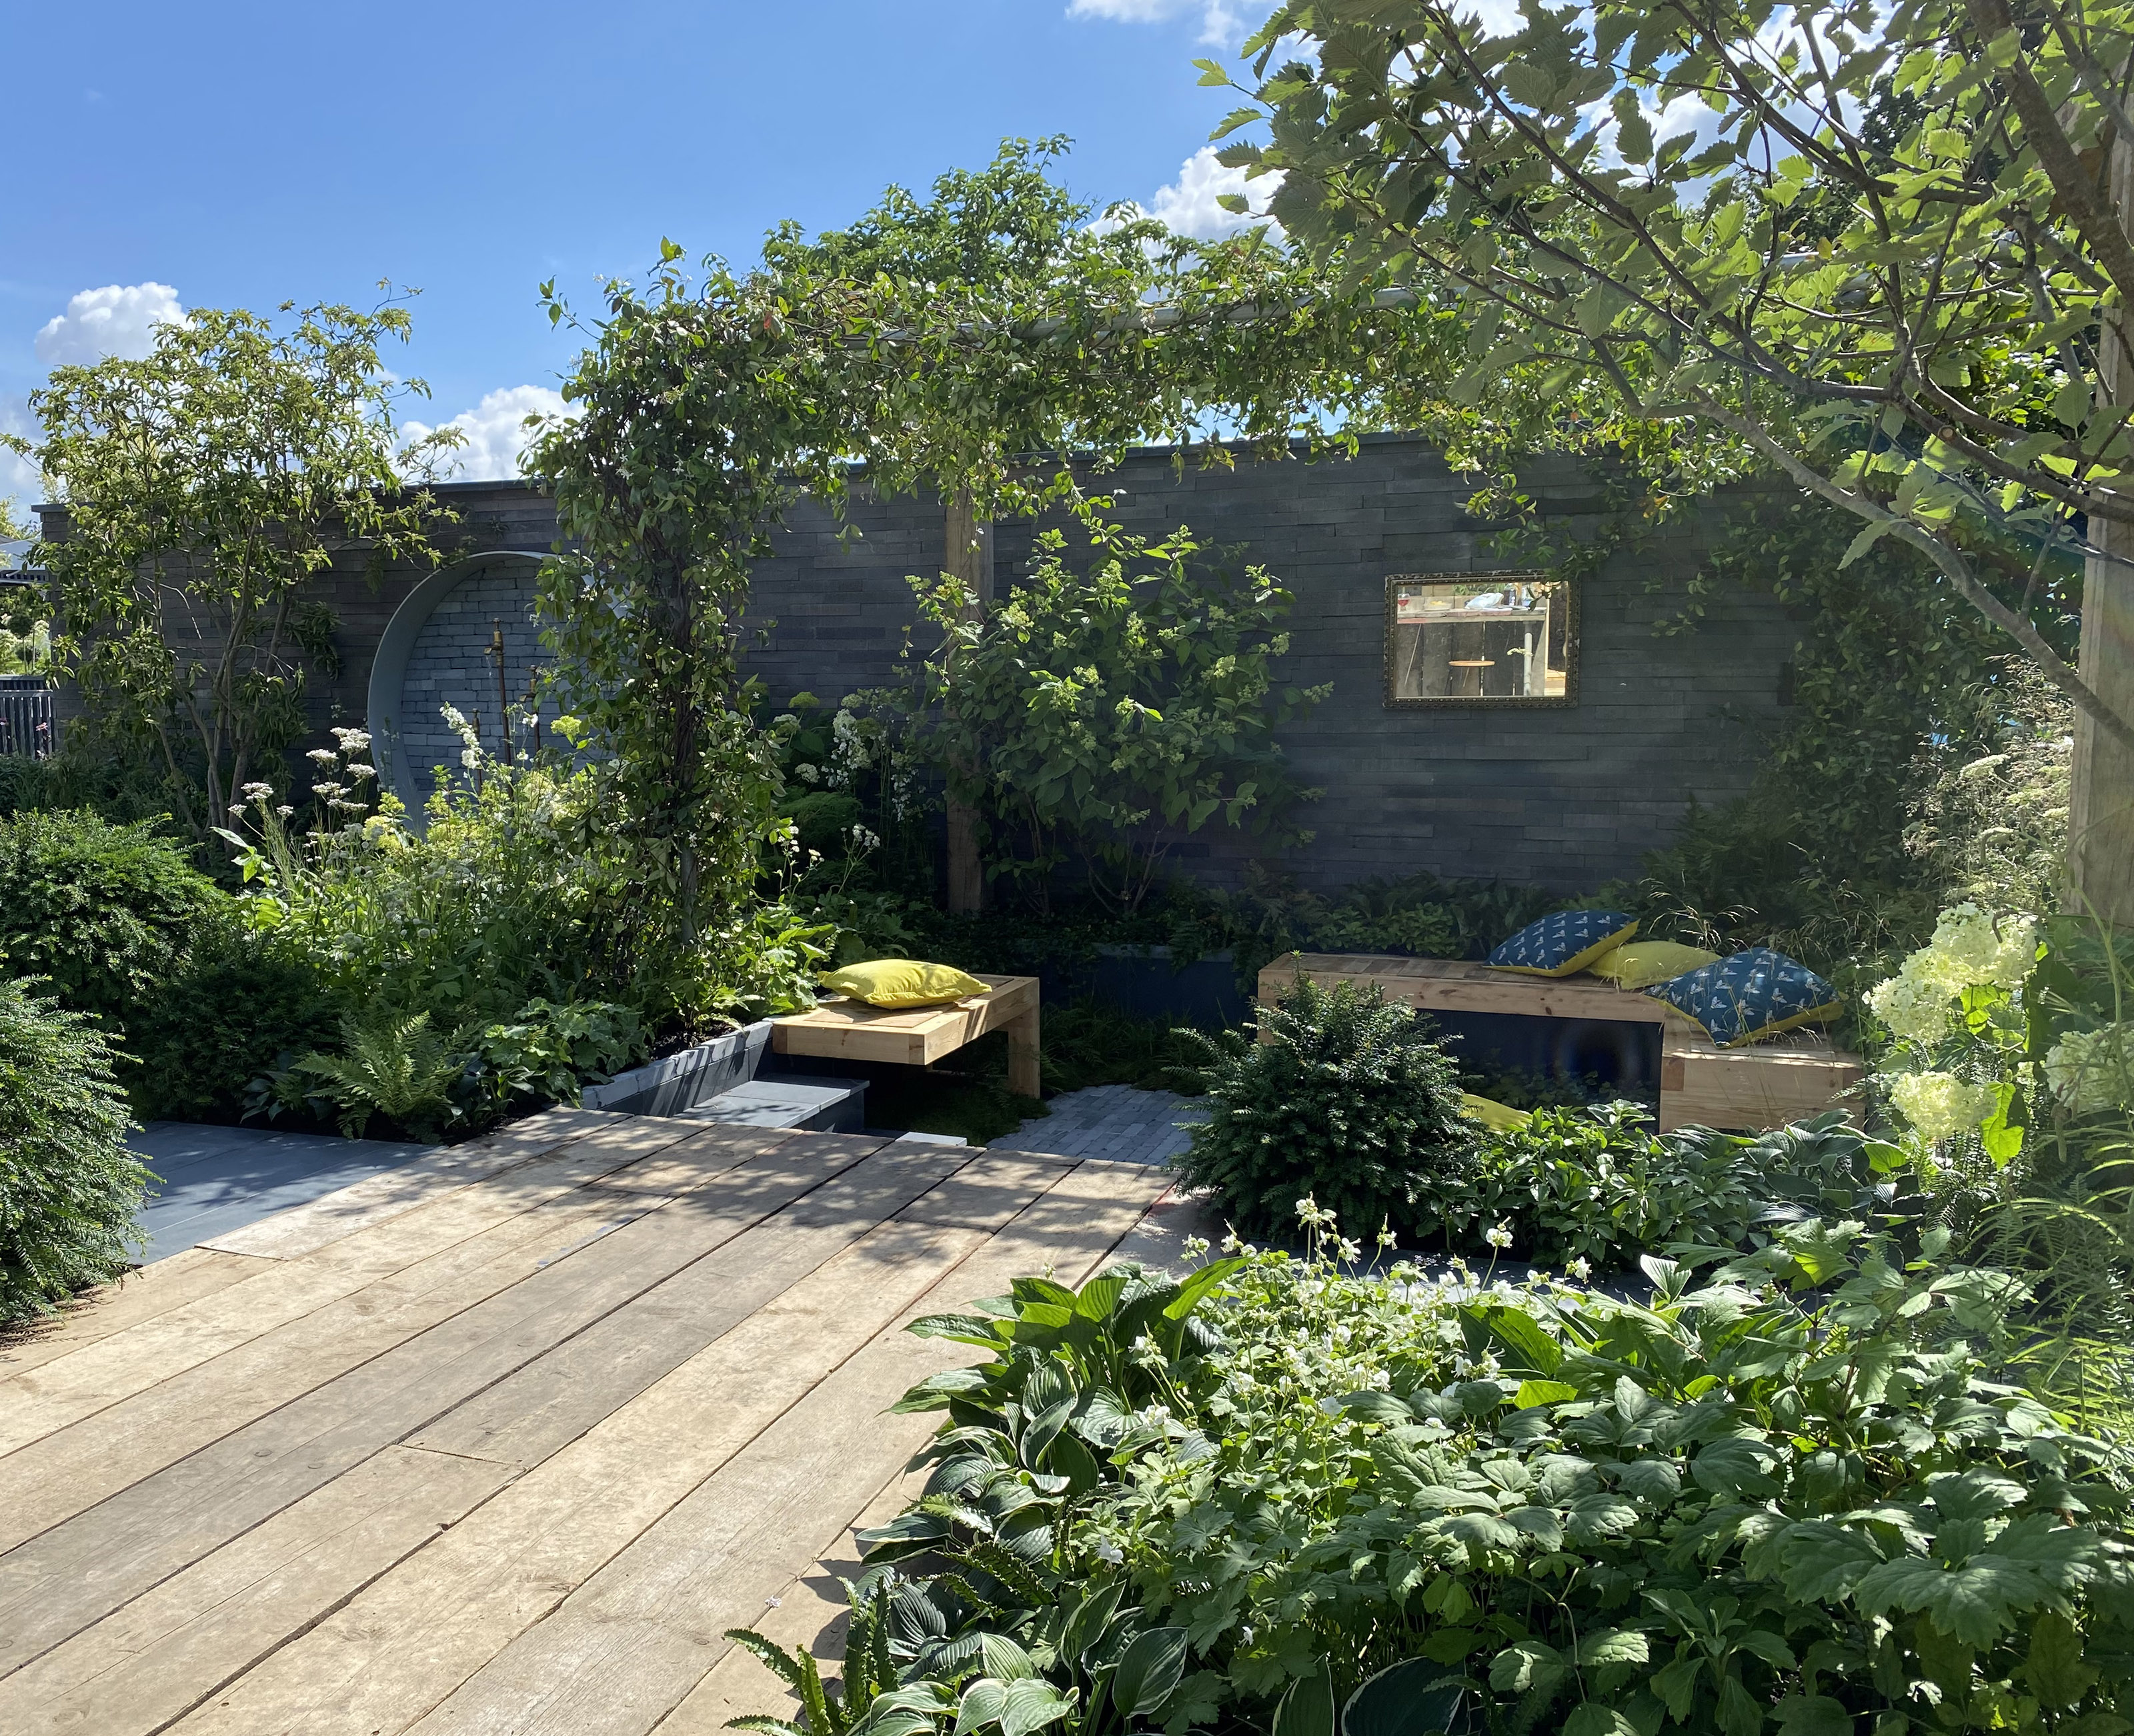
column 352, row 741
column 1941, row 1105
column 258, row 792
column 2093, row 1071
column 1914, row 1007
column 1499, row 1236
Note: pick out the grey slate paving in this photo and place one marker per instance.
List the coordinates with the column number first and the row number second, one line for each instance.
column 1115, row 1122
column 213, row 1180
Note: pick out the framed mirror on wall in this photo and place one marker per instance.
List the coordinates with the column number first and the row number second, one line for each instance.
column 1481, row 639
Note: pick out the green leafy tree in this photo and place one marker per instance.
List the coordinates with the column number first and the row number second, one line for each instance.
column 997, row 343
column 205, row 484
column 1112, row 710
column 1884, row 253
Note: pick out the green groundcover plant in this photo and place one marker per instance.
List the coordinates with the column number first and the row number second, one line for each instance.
column 1789, row 1492
column 69, row 1189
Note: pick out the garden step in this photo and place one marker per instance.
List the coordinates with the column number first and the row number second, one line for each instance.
column 781, row 1100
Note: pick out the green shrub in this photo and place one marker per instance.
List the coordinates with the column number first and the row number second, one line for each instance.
column 1596, row 1186
column 239, row 1007
column 69, row 1190
column 1346, row 1101
column 105, row 912
column 1790, row 1495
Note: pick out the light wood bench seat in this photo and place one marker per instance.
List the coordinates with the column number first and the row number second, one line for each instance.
column 1764, row 1085
column 850, row 1030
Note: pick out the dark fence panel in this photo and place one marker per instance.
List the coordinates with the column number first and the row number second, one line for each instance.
column 26, row 716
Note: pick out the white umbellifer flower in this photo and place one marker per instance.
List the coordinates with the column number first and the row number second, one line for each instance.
column 285, row 810
column 1915, row 1009
column 359, row 771
column 322, row 756
column 1940, row 1104
column 352, row 741
column 328, row 791
column 864, row 838
column 258, row 792
column 2093, row 1071
column 1499, row 1236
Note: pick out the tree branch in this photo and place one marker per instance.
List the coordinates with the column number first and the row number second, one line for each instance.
column 1953, row 566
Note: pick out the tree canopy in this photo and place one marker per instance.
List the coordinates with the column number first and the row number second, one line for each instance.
column 1872, row 249
column 204, row 484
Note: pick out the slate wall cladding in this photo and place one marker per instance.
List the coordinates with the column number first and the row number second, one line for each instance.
column 452, row 664
column 1566, row 798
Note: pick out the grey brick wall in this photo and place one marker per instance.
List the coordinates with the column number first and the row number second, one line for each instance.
column 1566, row 798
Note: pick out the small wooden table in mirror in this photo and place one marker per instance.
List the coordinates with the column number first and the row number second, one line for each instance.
column 1481, row 639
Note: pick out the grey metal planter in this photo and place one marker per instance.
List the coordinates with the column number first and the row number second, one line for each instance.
column 680, row 1082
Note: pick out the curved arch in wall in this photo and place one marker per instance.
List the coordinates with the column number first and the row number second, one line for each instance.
column 389, row 670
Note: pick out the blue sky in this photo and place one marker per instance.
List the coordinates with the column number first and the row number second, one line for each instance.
column 249, row 154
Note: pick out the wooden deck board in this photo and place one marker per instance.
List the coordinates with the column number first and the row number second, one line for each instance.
column 155, row 1289
column 74, row 1572
column 509, row 1453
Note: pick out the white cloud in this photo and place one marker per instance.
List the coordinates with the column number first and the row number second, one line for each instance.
column 495, row 434
column 1190, row 204
column 1222, row 23
column 119, row 319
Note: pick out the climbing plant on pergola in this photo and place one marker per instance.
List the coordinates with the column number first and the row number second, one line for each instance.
column 991, row 345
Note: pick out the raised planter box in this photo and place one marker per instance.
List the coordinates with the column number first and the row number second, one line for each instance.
column 678, row 1083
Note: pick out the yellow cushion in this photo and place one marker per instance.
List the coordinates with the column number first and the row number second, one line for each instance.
column 902, row 982
column 1498, row 1117
column 1640, row 964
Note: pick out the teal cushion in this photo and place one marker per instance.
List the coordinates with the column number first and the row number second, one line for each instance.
column 1759, row 992
column 1569, row 940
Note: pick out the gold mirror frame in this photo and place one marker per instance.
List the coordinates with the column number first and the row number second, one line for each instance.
column 1494, row 702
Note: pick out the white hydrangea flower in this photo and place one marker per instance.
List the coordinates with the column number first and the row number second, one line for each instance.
column 1916, row 1010
column 1940, row 1104
column 1973, row 946
column 2093, row 1071
column 807, row 774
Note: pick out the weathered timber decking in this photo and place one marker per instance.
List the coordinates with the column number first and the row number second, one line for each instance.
column 502, row 1442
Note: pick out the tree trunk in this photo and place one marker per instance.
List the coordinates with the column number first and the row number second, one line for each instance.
column 2101, row 804
column 968, row 556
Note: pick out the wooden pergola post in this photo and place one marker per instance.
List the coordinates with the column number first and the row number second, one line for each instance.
column 2101, row 789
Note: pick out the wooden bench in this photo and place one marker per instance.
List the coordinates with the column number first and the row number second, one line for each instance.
column 849, row 1030
column 1765, row 1086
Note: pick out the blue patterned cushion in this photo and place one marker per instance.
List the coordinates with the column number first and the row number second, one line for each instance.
column 1759, row 992
column 1569, row 940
